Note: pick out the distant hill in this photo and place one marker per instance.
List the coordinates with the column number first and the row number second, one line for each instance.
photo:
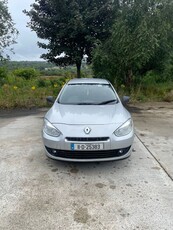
column 45, row 68
column 38, row 65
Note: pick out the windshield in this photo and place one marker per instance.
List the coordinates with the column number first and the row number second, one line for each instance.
column 87, row 94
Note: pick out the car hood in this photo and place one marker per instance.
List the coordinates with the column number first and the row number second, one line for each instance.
column 87, row 114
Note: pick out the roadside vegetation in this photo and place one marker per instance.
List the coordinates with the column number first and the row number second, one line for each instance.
column 28, row 88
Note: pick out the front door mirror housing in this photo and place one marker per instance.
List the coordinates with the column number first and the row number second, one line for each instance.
column 50, row 99
column 125, row 100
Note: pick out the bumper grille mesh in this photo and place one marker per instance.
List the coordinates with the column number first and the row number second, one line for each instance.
column 88, row 154
column 88, row 139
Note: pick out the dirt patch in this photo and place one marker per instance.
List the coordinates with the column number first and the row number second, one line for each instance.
column 74, row 170
column 81, row 215
column 154, row 117
column 100, row 185
column 21, row 112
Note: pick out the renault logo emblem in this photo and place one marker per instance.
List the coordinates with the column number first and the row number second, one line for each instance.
column 87, row 130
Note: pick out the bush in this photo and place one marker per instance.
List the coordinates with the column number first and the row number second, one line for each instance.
column 169, row 96
column 151, row 78
column 26, row 73
column 3, row 75
column 41, row 82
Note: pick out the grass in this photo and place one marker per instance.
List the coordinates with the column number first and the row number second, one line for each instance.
column 17, row 92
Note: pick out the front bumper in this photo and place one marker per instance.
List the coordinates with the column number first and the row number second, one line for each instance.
column 115, row 148
column 88, row 156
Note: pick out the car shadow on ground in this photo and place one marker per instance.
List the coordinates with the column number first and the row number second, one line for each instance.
column 75, row 167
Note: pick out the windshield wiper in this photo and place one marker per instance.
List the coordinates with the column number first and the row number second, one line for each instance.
column 85, row 103
column 107, row 102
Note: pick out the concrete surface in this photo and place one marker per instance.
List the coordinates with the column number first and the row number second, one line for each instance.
column 154, row 127
column 39, row 193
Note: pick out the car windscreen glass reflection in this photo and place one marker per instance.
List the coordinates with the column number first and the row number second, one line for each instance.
column 87, row 94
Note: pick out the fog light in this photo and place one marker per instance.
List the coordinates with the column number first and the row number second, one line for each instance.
column 54, row 151
column 120, row 151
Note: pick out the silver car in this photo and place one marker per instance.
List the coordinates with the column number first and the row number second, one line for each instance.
column 88, row 122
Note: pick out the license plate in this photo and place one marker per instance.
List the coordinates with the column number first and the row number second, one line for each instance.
column 86, row 147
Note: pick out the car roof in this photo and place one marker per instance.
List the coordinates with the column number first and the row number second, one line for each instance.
column 88, row 81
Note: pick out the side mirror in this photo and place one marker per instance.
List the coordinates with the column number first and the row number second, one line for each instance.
column 125, row 100
column 50, row 99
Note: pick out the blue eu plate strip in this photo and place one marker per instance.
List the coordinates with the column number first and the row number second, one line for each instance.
column 72, row 146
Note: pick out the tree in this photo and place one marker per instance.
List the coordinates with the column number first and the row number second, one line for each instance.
column 139, row 33
column 72, row 27
column 7, row 30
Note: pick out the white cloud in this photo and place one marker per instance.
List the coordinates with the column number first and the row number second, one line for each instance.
column 26, row 47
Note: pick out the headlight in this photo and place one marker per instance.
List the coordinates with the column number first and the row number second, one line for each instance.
column 124, row 129
column 49, row 129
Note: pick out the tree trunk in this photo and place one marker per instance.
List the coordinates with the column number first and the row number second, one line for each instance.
column 78, row 65
column 129, row 78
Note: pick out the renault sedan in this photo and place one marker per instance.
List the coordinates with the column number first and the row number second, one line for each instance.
column 88, row 122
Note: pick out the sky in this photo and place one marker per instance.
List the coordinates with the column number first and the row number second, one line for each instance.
column 26, row 48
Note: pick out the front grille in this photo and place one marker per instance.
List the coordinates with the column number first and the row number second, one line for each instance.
column 88, row 139
column 87, row 154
